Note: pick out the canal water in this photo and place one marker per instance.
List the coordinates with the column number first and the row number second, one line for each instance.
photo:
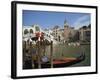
column 63, row 50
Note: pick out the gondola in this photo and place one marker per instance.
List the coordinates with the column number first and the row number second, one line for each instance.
column 63, row 62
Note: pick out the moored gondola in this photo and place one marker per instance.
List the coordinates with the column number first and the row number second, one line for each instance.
column 63, row 62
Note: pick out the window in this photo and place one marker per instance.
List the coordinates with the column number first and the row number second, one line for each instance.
column 37, row 28
column 31, row 31
column 87, row 33
column 26, row 31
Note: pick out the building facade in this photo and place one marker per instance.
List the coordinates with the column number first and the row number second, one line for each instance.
column 85, row 34
column 65, row 34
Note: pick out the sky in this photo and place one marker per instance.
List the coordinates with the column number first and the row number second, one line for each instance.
column 48, row 19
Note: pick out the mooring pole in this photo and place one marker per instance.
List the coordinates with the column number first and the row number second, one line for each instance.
column 39, row 55
column 24, row 53
column 44, row 48
column 31, row 53
column 51, row 55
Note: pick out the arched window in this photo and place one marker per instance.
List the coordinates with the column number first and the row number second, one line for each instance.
column 31, row 31
column 25, row 31
column 37, row 28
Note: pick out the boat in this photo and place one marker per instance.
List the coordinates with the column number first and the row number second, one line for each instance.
column 62, row 62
